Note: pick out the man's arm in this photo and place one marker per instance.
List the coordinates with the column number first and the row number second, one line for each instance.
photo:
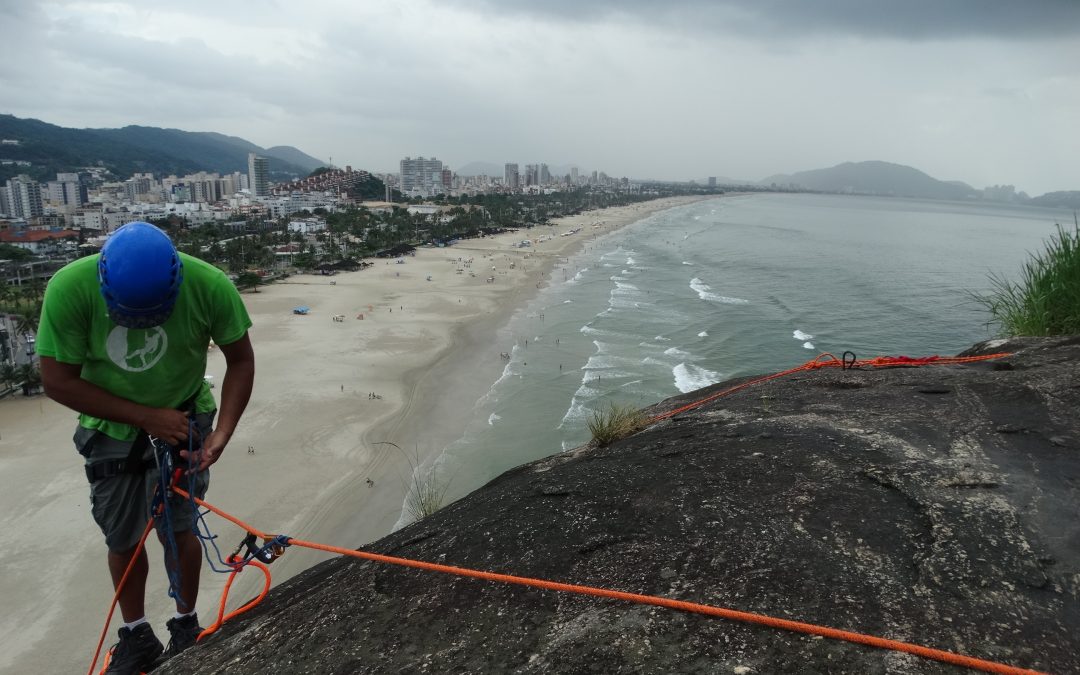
column 64, row 384
column 235, row 392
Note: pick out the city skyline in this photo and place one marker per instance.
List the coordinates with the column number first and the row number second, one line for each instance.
column 985, row 93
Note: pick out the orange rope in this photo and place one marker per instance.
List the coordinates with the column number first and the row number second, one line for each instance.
column 221, row 616
column 116, row 595
column 821, row 361
column 709, row 610
column 827, row 360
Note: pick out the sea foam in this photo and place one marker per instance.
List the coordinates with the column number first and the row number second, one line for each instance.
column 704, row 292
column 690, row 377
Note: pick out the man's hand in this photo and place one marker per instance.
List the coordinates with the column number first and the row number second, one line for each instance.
column 212, row 447
column 167, row 424
column 64, row 384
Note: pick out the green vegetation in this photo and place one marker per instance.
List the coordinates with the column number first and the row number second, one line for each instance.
column 133, row 149
column 358, row 232
column 30, row 377
column 425, row 491
column 26, row 375
column 426, row 494
column 248, row 280
column 16, row 253
column 608, row 426
column 1046, row 300
column 24, row 301
column 9, row 375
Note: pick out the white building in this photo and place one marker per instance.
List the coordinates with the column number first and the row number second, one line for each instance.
column 258, row 175
column 421, row 177
column 24, row 197
column 511, row 178
column 307, row 225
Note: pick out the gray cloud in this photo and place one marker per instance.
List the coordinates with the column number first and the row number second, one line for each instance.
column 787, row 19
column 659, row 90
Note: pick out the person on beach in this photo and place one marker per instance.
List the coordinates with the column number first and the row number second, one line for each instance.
column 123, row 340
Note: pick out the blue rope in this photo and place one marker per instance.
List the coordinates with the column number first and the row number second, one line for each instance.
column 202, row 531
column 199, row 526
column 208, row 540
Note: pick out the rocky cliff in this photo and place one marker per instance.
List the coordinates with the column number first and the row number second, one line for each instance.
column 936, row 505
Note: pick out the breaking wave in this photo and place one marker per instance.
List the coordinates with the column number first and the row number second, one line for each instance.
column 704, row 292
column 690, row 377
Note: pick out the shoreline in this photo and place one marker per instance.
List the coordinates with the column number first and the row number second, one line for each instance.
column 442, row 391
column 312, row 426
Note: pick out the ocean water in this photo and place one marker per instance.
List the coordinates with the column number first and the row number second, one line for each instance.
column 729, row 287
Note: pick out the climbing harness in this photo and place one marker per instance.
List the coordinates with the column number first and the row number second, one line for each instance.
column 261, row 556
column 134, row 462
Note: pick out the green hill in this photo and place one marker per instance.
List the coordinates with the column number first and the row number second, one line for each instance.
column 875, row 178
column 50, row 149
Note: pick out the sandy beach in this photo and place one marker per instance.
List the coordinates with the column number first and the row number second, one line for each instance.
column 312, row 457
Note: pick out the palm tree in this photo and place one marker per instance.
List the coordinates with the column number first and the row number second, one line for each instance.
column 7, row 294
column 26, row 322
column 8, row 375
column 30, row 377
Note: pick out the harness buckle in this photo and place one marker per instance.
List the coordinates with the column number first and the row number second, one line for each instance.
column 266, row 554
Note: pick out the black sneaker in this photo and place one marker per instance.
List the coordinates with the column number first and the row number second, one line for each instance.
column 183, row 631
column 137, row 650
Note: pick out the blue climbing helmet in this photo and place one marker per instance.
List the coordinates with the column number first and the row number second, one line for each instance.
column 140, row 274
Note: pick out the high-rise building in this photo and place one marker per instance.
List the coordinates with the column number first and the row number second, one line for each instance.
column 67, row 190
column 258, row 175
column 422, row 177
column 712, row 181
column 545, row 174
column 137, row 186
column 573, row 175
column 5, row 201
column 512, row 179
column 24, row 195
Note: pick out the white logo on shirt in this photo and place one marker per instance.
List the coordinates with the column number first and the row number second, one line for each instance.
column 136, row 350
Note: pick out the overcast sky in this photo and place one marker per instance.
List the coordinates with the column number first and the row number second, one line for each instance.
column 983, row 91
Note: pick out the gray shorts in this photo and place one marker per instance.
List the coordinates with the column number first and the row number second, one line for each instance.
column 121, row 504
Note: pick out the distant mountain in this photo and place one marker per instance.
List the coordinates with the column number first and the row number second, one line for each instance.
column 50, row 149
column 875, row 178
column 288, row 153
column 1069, row 199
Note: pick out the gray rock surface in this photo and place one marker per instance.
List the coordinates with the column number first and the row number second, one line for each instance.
column 937, row 505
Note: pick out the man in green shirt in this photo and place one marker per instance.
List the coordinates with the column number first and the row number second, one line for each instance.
column 123, row 339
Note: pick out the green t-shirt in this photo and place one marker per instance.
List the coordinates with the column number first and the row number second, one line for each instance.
column 161, row 366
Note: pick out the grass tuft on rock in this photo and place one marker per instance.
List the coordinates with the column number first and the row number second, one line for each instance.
column 425, row 489
column 427, row 493
column 608, row 426
column 1046, row 300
